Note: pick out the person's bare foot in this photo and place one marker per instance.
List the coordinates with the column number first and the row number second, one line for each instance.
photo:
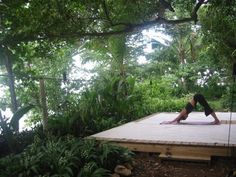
column 216, row 122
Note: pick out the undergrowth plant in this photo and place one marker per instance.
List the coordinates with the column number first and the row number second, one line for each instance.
column 9, row 129
column 64, row 157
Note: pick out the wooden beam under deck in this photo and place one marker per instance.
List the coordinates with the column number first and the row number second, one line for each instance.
column 187, row 152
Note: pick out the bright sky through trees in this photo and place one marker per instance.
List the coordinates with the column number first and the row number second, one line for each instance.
column 148, row 36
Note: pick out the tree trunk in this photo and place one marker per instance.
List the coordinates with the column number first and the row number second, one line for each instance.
column 181, row 52
column 44, row 105
column 11, row 84
column 182, row 61
column 192, row 51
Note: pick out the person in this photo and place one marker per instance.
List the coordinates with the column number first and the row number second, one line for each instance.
column 197, row 98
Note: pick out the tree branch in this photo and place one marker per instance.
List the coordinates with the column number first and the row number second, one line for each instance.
column 127, row 28
column 195, row 10
column 106, row 12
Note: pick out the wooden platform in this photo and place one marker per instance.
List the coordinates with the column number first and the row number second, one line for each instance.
column 188, row 142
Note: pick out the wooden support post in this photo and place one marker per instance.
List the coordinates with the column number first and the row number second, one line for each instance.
column 43, row 105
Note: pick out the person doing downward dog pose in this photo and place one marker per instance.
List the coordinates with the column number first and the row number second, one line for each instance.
column 197, row 98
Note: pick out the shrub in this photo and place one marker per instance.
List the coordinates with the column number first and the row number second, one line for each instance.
column 19, row 141
column 66, row 156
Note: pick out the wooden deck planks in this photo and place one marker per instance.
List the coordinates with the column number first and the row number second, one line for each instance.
column 189, row 141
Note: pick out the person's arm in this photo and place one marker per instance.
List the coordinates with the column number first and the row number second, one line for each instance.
column 182, row 116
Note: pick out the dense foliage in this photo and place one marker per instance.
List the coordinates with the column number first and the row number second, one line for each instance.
column 189, row 46
column 66, row 157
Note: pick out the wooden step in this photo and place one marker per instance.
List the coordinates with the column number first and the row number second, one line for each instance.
column 228, row 121
column 184, row 157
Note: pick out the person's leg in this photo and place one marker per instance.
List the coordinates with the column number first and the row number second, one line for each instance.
column 202, row 101
column 216, row 121
column 208, row 110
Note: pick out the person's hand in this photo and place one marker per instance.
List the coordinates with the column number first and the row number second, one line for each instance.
column 170, row 122
column 165, row 122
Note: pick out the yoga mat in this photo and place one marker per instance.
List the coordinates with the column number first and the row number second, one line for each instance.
column 189, row 123
column 199, row 122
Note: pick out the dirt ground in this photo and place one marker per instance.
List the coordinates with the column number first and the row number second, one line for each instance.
column 149, row 165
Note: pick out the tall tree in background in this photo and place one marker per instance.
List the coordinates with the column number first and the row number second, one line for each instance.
column 219, row 29
column 8, row 61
